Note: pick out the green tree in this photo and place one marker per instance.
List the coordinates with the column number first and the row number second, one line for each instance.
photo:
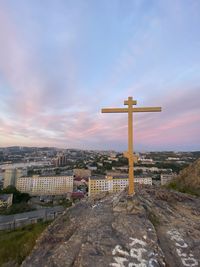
column 18, row 197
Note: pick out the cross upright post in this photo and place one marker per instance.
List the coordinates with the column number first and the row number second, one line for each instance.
column 130, row 104
column 130, row 155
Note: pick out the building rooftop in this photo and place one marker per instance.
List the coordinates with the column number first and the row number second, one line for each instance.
column 120, row 176
column 98, row 177
column 42, row 176
column 5, row 197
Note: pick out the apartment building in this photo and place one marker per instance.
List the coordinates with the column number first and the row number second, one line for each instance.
column 166, row 178
column 98, row 184
column 11, row 175
column 6, row 200
column 45, row 185
column 60, row 160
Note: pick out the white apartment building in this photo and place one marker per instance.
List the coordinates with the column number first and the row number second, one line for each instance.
column 113, row 183
column 166, row 178
column 143, row 180
column 6, row 200
column 45, row 185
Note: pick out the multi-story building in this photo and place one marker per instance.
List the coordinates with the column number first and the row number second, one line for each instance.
column 143, row 180
column 45, row 185
column 166, row 178
column 11, row 176
column 98, row 184
column 143, row 160
column 117, row 183
column 6, row 200
column 60, row 160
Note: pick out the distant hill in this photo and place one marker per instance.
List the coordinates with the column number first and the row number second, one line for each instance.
column 188, row 180
column 155, row 228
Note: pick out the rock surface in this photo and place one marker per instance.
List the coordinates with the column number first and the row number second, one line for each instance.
column 155, row 227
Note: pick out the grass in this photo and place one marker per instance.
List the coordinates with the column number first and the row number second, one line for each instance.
column 15, row 245
column 183, row 189
column 153, row 218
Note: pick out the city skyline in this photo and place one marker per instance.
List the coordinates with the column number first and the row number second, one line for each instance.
column 61, row 62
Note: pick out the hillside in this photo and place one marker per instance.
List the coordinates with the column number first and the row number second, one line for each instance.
column 188, row 179
column 156, row 227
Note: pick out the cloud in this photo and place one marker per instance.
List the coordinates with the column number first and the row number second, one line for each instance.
column 45, row 99
column 35, row 83
column 31, row 90
column 176, row 124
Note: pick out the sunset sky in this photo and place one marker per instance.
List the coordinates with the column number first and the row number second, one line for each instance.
column 62, row 61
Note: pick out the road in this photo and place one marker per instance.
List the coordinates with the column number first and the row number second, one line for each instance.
column 36, row 214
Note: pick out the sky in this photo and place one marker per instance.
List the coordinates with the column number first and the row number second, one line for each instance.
column 62, row 61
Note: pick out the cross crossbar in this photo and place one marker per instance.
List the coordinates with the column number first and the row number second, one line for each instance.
column 126, row 110
column 114, row 110
column 130, row 101
column 147, row 109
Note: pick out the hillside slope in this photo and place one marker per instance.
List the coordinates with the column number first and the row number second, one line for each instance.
column 156, row 227
column 188, row 179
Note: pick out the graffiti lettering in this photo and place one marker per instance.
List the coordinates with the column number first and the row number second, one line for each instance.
column 135, row 257
column 181, row 246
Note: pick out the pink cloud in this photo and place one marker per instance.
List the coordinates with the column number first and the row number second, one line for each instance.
column 38, row 107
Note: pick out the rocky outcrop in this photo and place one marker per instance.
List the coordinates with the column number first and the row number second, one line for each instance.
column 155, row 227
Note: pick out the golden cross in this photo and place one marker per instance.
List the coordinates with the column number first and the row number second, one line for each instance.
column 131, row 157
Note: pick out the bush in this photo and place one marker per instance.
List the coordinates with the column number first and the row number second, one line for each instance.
column 174, row 185
column 16, row 208
column 18, row 197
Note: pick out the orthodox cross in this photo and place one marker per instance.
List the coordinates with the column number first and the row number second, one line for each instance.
column 129, row 154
